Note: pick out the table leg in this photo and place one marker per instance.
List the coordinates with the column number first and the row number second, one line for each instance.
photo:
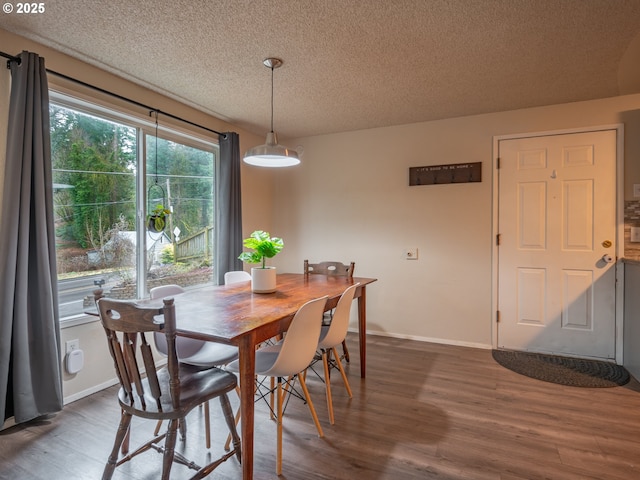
column 247, row 352
column 362, row 330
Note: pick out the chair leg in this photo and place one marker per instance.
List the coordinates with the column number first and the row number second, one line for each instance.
column 207, row 425
column 344, row 375
column 123, row 429
column 272, row 387
column 303, row 384
column 327, row 384
column 183, row 429
column 288, row 384
column 231, row 424
column 125, row 445
column 280, row 398
column 169, row 447
column 345, row 351
column 157, row 430
column 237, row 420
column 182, row 426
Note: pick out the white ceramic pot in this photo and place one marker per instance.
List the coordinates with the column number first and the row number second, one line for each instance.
column 263, row 280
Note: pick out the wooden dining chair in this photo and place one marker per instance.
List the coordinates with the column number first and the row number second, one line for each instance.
column 192, row 352
column 167, row 392
column 331, row 268
column 288, row 359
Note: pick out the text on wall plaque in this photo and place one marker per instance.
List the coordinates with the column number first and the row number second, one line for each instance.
column 440, row 174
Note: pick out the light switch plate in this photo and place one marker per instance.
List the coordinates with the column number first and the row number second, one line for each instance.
column 635, row 234
column 636, row 190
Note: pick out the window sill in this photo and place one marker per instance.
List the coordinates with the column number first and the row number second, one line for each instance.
column 76, row 320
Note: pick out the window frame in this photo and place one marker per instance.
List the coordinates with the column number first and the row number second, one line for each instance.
column 166, row 129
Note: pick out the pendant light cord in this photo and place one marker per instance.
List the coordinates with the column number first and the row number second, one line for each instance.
column 272, row 98
column 271, row 154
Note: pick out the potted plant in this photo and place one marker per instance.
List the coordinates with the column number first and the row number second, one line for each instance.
column 263, row 279
column 156, row 220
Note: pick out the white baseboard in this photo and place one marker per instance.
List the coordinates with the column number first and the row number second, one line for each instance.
column 96, row 388
column 90, row 391
column 427, row 339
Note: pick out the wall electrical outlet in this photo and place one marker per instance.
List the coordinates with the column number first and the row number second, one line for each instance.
column 72, row 345
column 411, row 254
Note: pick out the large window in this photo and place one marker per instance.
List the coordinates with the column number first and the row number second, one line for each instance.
column 104, row 192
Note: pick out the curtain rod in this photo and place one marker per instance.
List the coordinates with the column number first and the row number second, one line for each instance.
column 134, row 102
column 12, row 58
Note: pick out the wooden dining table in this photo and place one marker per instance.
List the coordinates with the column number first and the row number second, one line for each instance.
column 233, row 315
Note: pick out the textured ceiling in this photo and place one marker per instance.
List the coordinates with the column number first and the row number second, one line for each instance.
column 348, row 64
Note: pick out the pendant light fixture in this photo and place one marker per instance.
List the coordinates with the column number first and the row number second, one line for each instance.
column 271, row 154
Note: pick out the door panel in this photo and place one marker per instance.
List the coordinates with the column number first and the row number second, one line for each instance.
column 557, row 205
column 532, row 221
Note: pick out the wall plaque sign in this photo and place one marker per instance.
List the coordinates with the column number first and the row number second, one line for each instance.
column 439, row 174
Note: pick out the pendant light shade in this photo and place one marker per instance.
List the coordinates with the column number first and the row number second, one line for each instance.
column 271, row 154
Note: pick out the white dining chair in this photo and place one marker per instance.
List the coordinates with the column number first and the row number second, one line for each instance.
column 192, row 351
column 236, row 276
column 331, row 336
column 287, row 360
column 331, row 268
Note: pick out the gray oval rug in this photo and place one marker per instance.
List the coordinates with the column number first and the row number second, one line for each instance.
column 575, row 372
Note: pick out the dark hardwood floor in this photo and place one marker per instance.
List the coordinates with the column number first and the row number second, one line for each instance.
column 425, row 411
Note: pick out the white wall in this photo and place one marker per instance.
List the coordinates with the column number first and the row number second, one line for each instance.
column 350, row 201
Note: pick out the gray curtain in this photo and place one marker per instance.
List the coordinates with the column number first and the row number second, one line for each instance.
column 30, row 373
column 228, row 207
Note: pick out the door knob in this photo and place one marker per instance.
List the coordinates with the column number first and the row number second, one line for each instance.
column 606, row 258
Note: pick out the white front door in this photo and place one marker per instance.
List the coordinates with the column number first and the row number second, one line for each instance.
column 557, row 227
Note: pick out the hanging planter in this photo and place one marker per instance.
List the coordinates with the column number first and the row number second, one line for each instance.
column 156, row 220
column 156, row 217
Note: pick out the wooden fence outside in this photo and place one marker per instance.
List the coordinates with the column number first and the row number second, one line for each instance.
column 198, row 245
